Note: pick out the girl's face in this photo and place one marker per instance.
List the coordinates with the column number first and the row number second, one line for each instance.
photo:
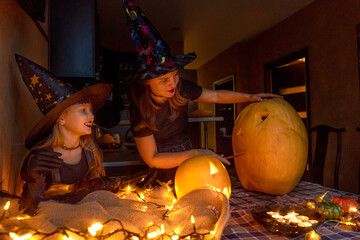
column 77, row 119
column 164, row 86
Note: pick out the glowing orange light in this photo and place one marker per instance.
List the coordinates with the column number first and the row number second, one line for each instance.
column 192, row 219
column 94, row 228
column 7, row 205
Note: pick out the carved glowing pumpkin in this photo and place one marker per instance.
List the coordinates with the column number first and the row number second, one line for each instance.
column 202, row 172
column 274, row 143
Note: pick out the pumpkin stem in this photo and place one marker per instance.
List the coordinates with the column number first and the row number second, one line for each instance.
column 342, row 194
column 322, row 197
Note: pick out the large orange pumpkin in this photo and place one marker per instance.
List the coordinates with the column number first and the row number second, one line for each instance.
column 202, row 172
column 274, row 143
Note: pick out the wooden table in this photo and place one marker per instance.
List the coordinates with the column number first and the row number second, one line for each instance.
column 242, row 225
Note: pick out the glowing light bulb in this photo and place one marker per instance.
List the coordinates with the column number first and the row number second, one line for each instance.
column 7, row 205
column 94, row 228
column 67, row 238
column 177, row 231
column 175, row 237
column 134, row 238
column 153, row 235
column 162, row 229
column 192, row 219
column 16, row 237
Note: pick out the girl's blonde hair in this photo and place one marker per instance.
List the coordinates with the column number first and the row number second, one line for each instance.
column 140, row 94
column 87, row 142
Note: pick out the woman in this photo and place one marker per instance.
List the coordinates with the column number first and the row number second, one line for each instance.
column 159, row 98
column 159, row 119
column 63, row 155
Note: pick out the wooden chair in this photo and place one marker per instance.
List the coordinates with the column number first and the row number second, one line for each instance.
column 315, row 169
column 358, row 129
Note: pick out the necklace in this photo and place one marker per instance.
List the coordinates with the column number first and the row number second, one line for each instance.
column 70, row 148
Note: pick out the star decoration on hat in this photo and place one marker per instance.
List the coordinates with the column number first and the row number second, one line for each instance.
column 48, row 96
column 34, row 80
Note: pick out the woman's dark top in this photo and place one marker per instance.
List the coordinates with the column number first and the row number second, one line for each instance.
column 168, row 132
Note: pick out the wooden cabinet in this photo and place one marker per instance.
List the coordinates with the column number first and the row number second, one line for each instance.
column 73, row 38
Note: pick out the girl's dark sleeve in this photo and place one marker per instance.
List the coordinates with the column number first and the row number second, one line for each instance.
column 32, row 190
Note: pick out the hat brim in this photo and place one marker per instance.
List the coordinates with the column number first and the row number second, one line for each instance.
column 98, row 93
column 154, row 72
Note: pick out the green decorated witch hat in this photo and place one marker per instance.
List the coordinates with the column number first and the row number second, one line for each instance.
column 155, row 56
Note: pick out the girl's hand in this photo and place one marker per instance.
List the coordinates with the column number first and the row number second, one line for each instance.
column 211, row 153
column 42, row 161
column 261, row 96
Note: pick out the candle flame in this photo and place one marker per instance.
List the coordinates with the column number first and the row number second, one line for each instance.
column 192, row 219
column 162, row 229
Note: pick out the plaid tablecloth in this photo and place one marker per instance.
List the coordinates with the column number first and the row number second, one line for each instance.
column 242, row 225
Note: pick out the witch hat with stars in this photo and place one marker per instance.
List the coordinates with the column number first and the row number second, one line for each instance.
column 155, row 56
column 53, row 96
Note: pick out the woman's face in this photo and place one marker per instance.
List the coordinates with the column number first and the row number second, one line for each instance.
column 77, row 119
column 164, row 86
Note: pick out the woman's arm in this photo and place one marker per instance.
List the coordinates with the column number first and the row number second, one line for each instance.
column 149, row 153
column 225, row 96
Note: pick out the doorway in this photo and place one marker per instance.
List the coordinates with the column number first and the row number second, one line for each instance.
column 227, row 111
column 288, row 76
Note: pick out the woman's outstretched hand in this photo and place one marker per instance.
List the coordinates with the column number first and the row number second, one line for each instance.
column 261, row 96
column 211, row 153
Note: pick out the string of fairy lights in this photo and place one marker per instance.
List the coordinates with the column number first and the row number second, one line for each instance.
column 96, row 230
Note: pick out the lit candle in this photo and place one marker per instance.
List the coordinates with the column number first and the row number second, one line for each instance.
column 313, row 221
column 291, row 215
column 312, row 235
column 271, row 213
column 277, row 215
column 302, row 218
column 304, row 224
column 294, row 220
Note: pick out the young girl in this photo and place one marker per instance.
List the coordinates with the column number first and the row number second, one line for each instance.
column 63, row 156
column 159, row 99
